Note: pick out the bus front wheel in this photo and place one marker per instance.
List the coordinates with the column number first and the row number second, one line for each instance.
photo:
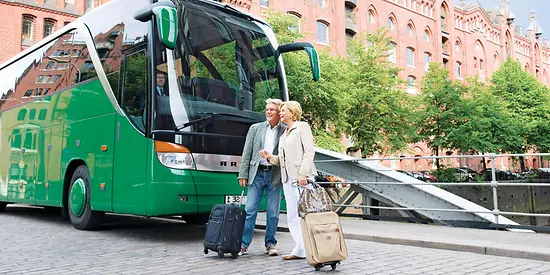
column 80, row 211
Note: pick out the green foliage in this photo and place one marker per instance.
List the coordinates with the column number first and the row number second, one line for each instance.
column 326, row 141
column 446, row 175
column 379, row 112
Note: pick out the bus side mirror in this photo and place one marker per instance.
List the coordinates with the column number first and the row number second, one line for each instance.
column 167, row 21
column 310, row 50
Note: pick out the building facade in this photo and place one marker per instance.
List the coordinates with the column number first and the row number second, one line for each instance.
column 468, row 39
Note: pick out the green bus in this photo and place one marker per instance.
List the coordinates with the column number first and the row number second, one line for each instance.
column 138, row 107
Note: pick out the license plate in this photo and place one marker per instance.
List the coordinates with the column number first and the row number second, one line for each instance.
column 234, row 199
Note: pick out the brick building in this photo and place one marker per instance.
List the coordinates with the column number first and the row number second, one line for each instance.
column 25, row 22
column 465, row 37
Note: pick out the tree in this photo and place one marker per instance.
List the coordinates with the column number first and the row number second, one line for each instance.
column 321, row 101
column 527, row 100
column 488, row 126
column 442, row 109
column 379, row 112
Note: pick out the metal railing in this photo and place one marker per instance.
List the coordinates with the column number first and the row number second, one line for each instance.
column 494, row 184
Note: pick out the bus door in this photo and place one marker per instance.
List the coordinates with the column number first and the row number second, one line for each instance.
column 131, row 146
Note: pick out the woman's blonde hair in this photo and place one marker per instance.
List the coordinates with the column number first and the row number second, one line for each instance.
column 294, row 107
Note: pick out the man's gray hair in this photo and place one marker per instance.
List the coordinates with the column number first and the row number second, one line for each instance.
column 275, row 101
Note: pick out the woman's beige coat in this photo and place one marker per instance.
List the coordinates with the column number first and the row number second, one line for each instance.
column 296, row 152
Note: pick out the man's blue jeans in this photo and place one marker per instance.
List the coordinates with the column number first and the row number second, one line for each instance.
column 261, row 183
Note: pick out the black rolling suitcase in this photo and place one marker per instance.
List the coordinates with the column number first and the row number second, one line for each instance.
column 224, row 231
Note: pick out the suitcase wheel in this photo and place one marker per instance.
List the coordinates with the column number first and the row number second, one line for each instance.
column 234, row 255
column 220, row 254
column 318, row 267
column 333, row 266
column 205, row 250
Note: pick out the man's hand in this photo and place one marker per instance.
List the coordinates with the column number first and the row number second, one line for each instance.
column 243, row 182
column 302, row 180
column 264, row 154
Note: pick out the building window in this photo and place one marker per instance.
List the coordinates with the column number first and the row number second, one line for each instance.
column 458, row 70
column 410, row 56
column 322, row 32
column 427, row 60
column 443, row 18
column 264, row 3
column 392, row 53
column 321, row 3
column 426, row 36
column 481, row 65
column 49, row 25
column 411, row 84
column 90, row 4
column 296, row 26
column 409, row 30
column 27, row 29
column 390, row 23
column 350, row 14
column 457, row 46
column 349, row 38
column 371, row 16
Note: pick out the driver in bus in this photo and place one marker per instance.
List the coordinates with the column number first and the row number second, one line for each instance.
column 161, row 80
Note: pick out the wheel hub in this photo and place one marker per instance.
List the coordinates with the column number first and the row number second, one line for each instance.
column 77, row 197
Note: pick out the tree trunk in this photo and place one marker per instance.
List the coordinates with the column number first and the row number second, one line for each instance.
column 437, row 159
column 522, row 163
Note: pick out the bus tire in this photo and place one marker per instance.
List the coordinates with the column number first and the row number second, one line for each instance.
column 3, row 206
column 80, row 211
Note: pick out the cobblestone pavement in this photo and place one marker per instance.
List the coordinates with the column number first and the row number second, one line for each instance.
column 33, row 242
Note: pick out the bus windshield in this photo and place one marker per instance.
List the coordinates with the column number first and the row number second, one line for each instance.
column 217, row 79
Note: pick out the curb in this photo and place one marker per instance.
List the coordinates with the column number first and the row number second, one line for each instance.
column 478, row 249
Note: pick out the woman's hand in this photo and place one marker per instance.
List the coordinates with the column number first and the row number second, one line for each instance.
column 302, row 180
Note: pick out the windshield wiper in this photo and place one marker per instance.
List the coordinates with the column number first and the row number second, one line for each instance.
column 212, row 115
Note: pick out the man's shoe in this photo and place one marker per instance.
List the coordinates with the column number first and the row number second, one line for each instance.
column 271, row 250
column 244, row 251
column 292, row 257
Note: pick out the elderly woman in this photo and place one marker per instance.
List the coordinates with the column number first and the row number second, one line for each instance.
column 296, row 152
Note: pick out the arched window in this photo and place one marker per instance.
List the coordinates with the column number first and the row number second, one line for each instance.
column 409, row 30
column 392, row 52
column 27, row 27
column 296, row 27
column 427, row 36
column 411, row 84
column 444, row 18
column 410, row 56
column 49, row 26
column 371, row 16
column 322, row 32
column 458, row 70
column 321, row 3
column 391, row 23
column 427, row 60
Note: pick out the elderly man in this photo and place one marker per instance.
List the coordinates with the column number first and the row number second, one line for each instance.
column 261, row 176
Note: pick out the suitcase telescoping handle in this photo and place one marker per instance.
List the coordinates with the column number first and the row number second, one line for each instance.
column 242, row 196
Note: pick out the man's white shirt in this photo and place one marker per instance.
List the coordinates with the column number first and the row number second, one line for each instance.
column 269, row 141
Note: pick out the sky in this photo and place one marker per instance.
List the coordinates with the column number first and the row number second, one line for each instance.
column 522, row 10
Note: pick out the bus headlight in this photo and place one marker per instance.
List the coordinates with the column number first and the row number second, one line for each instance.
column 174, row 155
column 177, row 160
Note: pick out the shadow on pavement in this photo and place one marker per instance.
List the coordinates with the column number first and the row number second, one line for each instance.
column 124, row 226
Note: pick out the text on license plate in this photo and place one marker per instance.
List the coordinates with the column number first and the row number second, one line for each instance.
column 234, row 199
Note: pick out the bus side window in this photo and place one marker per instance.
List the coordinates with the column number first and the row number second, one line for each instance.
column 134, row 90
